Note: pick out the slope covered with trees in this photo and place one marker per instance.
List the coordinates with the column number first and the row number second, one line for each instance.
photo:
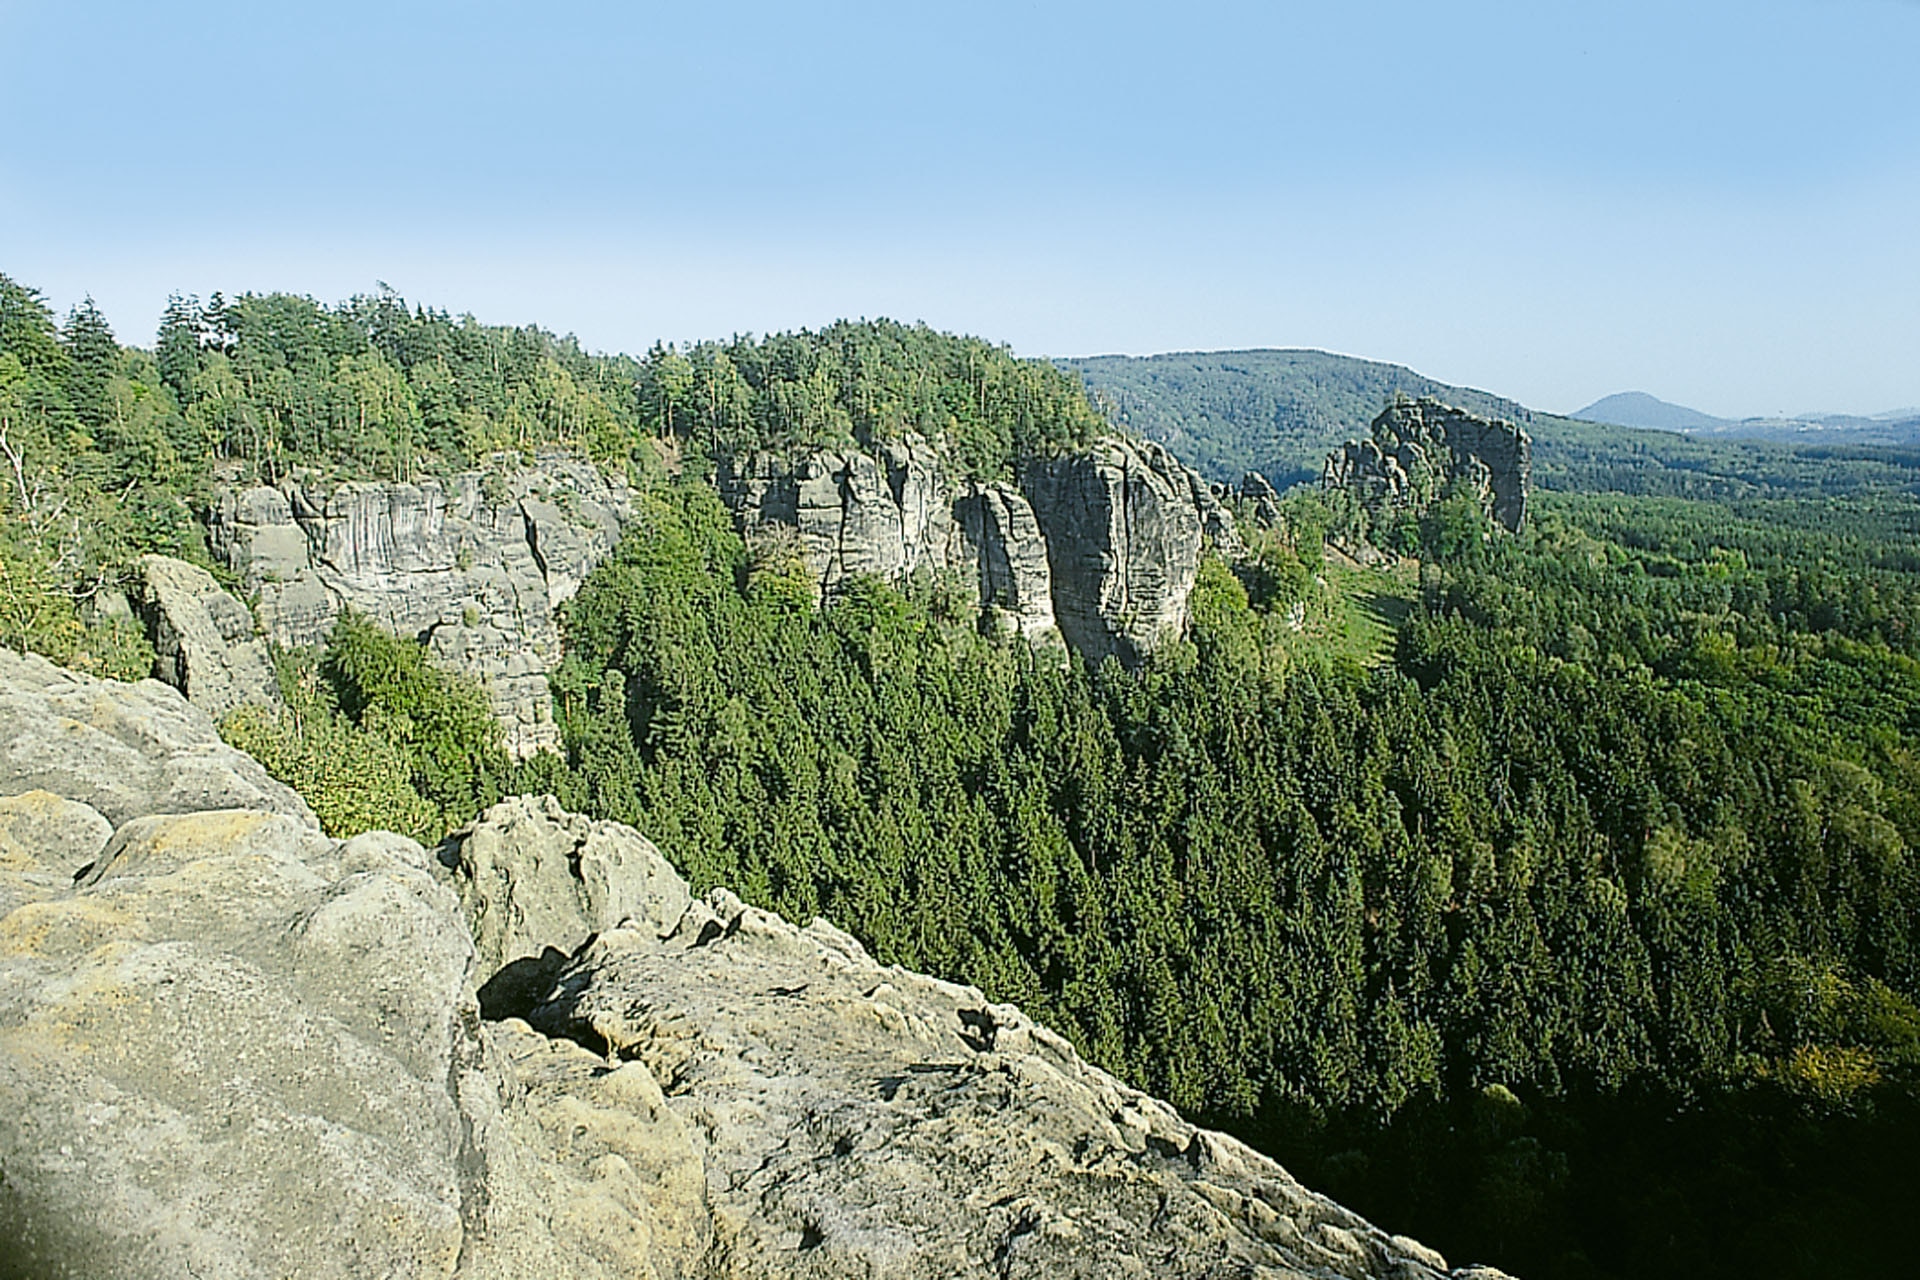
column 1621, row 835
column 1276, row 412
column 109, row 450
column 1281, row 412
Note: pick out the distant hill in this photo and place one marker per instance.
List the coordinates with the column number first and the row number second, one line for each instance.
column 1638, row 409
column 1278, row 412
column 1899, row 429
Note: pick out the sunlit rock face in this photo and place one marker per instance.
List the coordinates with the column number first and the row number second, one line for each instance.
column 1102, row 546
column 1420, row 447
column 475, row 565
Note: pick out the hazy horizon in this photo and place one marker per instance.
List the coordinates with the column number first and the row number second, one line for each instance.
column 1553, row 204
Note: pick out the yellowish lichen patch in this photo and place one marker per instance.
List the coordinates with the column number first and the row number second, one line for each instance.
column 210, row 832
column 18, row 816
column 66, row 927
column 96, row 995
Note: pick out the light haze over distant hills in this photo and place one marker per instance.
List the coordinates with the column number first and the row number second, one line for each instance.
column 1638, row 409
column 1716, row 199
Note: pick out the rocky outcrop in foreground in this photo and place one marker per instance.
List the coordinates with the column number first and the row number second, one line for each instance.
column 1103, row 545
column 1420, row 447
column 231, row 1046
column 474, row 565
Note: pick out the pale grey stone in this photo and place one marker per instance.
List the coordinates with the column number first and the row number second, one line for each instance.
column 123, row 749
column 475, row 564
column 1104, row 545
column 1418, row 447
column 203, row 639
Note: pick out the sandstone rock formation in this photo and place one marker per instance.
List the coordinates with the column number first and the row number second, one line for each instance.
column 474, row 564
column 1125, row 525
column 1259, row 494
column 203, row 638
column 232, row 1046
column 1420, row 447
column 895, row 514
column 1104, row 545
column 126, row 750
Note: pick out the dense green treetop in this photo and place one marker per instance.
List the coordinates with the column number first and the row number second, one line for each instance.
column 108, row 449
column 1281, row 412
column 1580, row 932
column 864, row 383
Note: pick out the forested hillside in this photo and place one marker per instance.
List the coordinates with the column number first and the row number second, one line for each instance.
column 1281, row 412
column 1276, row 412
column 1576, row 928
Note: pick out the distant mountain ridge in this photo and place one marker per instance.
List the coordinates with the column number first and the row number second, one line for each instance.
column 1638, row 409
column 1276, row 411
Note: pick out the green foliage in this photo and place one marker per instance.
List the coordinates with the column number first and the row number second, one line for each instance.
column 1277, row 412
column 865, row 383
column 374, row 738
column 440, row 723
column 1558, row 904
column 353, row 780
column 1551, row 854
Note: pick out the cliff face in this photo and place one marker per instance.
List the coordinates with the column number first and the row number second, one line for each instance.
column 1419, row 447
column 231, row 1046
column 1099, row 549
column 1102, row 545
column 474, row 565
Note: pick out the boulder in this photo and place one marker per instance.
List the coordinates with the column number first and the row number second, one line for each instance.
column 536, row 883
column 123, row 750
column 235, row 1047
column 203, row 639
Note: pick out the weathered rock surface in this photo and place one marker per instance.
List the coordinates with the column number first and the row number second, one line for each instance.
column 896, row 514
column 1419, row 447
column 855, row 1119
column 203, row 638
column 538, row 883
column 474, row 564
column 1125, row 525
column 232, row 1046
column 235, row 1047
column 124, row 750
column 1258, row 492
column 1104, row 545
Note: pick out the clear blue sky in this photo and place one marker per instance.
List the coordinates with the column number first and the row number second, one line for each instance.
column 1717, row 202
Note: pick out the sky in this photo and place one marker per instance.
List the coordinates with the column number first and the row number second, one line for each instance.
column 1716, row 202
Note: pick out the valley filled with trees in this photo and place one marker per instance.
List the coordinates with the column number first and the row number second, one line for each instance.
column 1576, row 929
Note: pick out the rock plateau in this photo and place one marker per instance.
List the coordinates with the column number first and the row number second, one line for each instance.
column 1103, row 545
column 475, row 565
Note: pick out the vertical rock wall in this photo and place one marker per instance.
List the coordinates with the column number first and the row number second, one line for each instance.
column 474, row 565
column 1419, row 447
column 1103, row 545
